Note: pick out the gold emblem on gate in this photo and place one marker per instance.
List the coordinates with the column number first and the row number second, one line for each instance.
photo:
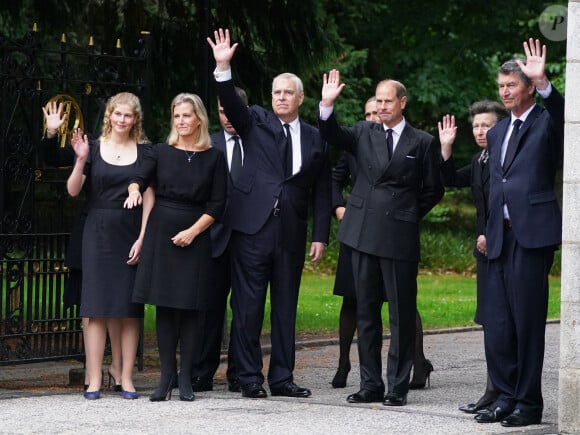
column 74, row 117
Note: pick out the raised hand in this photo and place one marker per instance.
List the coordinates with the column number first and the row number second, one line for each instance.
column 535, row 67
column 80, row 144
column 53, row 117
column 223, row 50
column 331, row 87
column 447, row 135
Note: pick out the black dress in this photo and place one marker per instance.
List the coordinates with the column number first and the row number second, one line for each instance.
column 186, row 186
column 109, row 233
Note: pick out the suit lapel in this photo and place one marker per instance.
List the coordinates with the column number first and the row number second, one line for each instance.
column 275, row 126
column 305, row 146
column 379, row 147
column 511, row 154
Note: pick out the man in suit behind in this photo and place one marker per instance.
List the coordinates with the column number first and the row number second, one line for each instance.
column 397, row 183
column 211, row 325
column 523, row 230
column 286, row 167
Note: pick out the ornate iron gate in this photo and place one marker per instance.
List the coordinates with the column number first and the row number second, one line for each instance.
column 36, row 214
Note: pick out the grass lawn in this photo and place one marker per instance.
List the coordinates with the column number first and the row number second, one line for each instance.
column 444, row 301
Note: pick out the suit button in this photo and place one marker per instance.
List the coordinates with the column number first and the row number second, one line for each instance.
column 504, row 180
column 388, row 213
column 393, row 194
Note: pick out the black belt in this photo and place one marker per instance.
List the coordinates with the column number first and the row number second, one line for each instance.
column 507, row 223
column 276, row 211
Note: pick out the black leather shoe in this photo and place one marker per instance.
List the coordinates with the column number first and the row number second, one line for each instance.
column 470, row 408
column 290, row 389
column 493, row 416
column 487, row 400
column 476, row 408
column 234, row 385
column 199, row 384
column 253, row 391
column 395, row 399
column 521, row 417
column 365, row 396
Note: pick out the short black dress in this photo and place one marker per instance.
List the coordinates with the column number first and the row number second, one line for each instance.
column 186, row 186
column 109, row 233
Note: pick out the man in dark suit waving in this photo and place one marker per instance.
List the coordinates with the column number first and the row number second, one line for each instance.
column 397, row 183
column 286, row 168
column 523, row 230
column 211, row 322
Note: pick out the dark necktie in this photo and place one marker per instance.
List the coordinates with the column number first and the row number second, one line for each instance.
column 483, row 158
column 390, row 142
column 236, row 166
column 288, row 152
column 512, row 143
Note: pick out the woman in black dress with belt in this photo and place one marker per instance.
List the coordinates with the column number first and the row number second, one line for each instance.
column 174, row 274
column 112, row 239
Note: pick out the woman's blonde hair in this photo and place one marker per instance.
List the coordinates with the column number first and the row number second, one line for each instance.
column 203, row 140
column 131, row 100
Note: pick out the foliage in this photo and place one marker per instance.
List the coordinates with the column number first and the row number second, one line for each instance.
column 444, row 301
column 446, row 53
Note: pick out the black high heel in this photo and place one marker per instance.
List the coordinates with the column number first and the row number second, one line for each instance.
column 339, row 380
column 163, row 390
column 116, row 387
column 421, row 376
column 186, row 389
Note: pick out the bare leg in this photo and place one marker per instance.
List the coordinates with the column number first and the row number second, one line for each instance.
column 129, row 342
column 422, row 367
column 346, row 328
column 94, row 336
column 115, row 369
column 85, row 322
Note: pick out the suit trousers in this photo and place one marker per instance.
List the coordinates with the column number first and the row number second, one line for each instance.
column 376, row 277
column 258, row 260
column 211, row 324
column 516, row 307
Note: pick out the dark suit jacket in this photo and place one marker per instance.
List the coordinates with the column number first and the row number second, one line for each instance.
column 527, row 183
column 343, row 174
column 220, row 233
column 262, row 181
column 389, row 197
column 476, row 177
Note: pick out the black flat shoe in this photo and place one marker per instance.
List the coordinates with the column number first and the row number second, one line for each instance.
column 290, row 389
column 482, row 404
column 493, row 415
column 521, row 417
column 253, row 391
column 395, row 399
column 200, row 384
column 234, row 385
column 365, row 396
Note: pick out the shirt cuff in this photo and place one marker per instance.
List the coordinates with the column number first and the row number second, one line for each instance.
column 325, row 111
column 545, row 93
column 222, row 76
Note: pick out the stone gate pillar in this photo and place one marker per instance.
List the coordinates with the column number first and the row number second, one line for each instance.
column 569, row 381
